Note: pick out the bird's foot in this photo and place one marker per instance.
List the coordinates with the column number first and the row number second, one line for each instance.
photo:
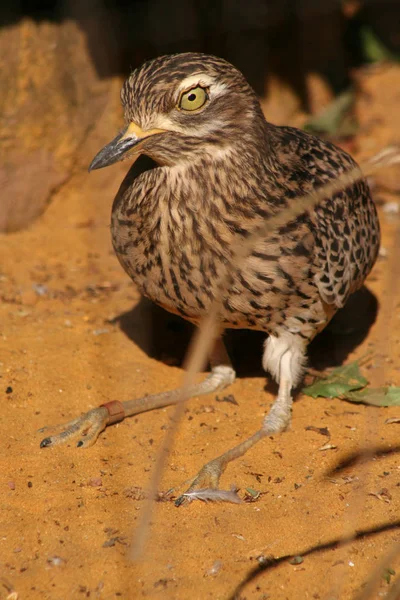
column 86, row 429
column 205, row 484
column 206, row 480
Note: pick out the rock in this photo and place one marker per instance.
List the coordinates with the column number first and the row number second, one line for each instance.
column 50, row 99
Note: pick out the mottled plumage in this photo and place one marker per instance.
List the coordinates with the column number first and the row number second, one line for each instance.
column 174, row 225
column 210, row 170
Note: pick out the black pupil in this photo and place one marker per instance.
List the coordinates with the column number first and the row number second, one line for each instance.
column 192, row 97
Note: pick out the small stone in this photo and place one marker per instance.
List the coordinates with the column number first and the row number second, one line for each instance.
column 391, row 208
column 383, row 253
column 56, row 561
column 40, row 289
column 216, row 567
column 95, row 482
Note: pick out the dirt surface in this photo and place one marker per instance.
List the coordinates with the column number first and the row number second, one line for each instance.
column 74, row 334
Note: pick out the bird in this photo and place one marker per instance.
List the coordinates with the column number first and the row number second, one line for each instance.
column 208, row 170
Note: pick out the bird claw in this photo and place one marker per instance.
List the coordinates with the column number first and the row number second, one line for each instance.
column 207, row 478
column 86, row 429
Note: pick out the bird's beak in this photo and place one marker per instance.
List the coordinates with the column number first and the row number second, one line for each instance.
column 117, row 149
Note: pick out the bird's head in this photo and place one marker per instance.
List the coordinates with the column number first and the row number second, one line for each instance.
column 181, row 106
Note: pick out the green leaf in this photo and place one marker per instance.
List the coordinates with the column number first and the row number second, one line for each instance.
column 339, row 383
column 253, row 493
column 336, row 118
column 387, row 575
column 373, row 48
column 296, row 560
column 381, row 396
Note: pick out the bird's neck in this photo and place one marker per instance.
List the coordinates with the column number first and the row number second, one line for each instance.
column 222, row 177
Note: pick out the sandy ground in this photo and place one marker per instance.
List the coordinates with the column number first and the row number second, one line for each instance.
column 74, row 333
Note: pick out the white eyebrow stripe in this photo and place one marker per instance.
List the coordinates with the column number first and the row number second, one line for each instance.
column 196, row 79
column 203, row 80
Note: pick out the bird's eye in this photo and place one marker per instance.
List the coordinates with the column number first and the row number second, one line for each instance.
column 193, row 99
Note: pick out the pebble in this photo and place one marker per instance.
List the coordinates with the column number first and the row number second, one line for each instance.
column 383, row 252
column 56, row 561
column 391, row 208
column 214, row 569
column 100, row 331
column 40, row 289
column 95, row 482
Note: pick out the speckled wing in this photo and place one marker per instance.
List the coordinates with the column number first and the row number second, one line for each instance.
column 345, row 226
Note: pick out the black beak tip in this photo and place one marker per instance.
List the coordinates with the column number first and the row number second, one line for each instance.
column 92, row 166
column 113, row 152
column 102, row 159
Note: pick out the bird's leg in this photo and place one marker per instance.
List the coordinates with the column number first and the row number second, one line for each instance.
column 285, row 361
column 86, row 429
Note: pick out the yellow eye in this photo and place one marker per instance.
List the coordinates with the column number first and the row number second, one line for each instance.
column 193, row 99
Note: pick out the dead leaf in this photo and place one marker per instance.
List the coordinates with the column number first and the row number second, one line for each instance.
column 328, row 447
column 392, row 420
column 120, row 539
column 321, row 430
column 383, row 494
column 381, row 396
column 230, row 398
column 135, row 492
